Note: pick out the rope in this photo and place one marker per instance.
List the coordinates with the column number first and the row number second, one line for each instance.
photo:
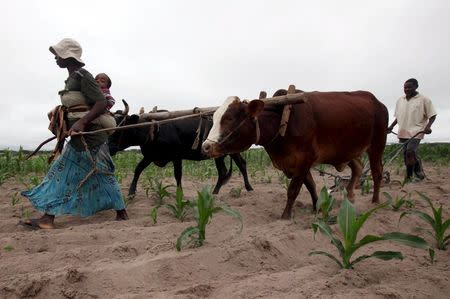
column 94, row 170
column 143, row 124
column 197, row 137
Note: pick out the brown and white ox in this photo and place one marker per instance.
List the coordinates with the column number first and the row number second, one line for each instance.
column 326, row 128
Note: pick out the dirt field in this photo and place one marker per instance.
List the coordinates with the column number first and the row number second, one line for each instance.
column 100, row 258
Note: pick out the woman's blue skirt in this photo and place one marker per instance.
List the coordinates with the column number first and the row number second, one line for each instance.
column 69, row 189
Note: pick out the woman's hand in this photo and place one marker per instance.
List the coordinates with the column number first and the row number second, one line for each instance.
column 78, row 126
column 96, row 110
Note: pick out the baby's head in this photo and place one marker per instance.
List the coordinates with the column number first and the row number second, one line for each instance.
column 103, row 80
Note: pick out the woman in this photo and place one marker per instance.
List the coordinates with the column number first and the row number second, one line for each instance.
column 81, row 181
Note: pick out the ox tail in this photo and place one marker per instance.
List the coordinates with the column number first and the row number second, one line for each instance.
column 382, row 110
column 230, row 171
column 386, row 114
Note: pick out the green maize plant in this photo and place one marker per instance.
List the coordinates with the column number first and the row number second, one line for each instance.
column 366, row 186
column 321, row 168
column 204, row 208
column 8, row 248
column 3, row 177
column 25, row 213
column 284, row 181
column 15, row 199
column 200, row 170
column 159, row 191
column 438, row 224
column 154, row 214
column 119, row 176
column 236, row 192
column 324, row 206
column 34, row 180
column 399, row 201
column 349, row 225
column 179, row 209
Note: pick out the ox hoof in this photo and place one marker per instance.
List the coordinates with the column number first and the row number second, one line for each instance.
column 131, row 196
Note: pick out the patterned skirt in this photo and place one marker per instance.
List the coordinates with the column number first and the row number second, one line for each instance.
column 78, row 183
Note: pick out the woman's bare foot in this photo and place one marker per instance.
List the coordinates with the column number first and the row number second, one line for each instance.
column 45, row 222
column 121, row 215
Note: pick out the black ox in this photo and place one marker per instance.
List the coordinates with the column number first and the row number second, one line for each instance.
column 168, row 142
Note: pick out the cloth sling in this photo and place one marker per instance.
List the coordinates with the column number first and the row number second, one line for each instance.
column 74, row 107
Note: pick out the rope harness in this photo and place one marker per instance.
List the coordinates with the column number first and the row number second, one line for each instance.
column 197, row 137
column 257, row 134
column 95, row 169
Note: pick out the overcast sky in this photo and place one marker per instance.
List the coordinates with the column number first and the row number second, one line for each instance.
column 183, row 54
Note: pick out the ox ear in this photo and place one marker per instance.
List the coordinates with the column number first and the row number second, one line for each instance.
column 255, row 108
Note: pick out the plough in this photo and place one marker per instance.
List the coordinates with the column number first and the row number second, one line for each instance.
column 341, row 181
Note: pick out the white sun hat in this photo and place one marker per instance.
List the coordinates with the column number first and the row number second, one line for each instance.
column 66, row 48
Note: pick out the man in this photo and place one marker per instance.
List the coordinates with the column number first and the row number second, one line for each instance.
column 414, row 114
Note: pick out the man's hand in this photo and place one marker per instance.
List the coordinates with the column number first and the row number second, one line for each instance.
column 391, row 127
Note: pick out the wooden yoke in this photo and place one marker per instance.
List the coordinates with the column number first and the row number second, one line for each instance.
column 286, row 113
column 145, row 117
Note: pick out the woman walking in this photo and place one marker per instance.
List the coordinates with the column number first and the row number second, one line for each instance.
column 81, row 180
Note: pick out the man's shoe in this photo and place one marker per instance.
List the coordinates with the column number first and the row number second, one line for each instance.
column 418, row 170
column 420, row 176
column 407, row 180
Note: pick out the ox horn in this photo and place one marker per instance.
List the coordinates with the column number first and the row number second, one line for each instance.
column 127, row 108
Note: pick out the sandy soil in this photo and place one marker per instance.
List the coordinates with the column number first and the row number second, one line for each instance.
column 97, row 257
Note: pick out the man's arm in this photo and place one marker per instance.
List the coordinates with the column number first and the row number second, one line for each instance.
column 427, row 129
column 389, row 129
